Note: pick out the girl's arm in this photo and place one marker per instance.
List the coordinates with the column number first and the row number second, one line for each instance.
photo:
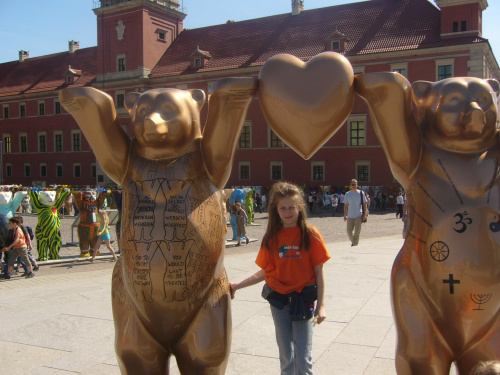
column 256, row 278
column 320, row 312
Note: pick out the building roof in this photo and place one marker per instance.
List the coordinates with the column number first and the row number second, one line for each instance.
column 46, row 73
column 370, row 27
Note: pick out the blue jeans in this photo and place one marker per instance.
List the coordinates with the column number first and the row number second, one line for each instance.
column 294, row 339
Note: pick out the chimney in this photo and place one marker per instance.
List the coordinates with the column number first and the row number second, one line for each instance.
column 23, row 55
column 297, row 7
column 73, row 46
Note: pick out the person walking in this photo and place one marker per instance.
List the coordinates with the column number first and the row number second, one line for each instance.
column 241, row 222
column 291, row 259
column 341, row 201
column 400, row 202
column 104, row 236
column 335, row 203
column 17, row 248
column 354, row 213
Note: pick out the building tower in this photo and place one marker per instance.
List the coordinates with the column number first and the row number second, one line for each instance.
column 461, row 17
column 132, row 35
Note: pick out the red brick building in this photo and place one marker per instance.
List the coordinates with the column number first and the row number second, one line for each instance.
column 142, row 45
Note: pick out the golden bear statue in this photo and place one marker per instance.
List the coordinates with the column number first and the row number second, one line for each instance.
column 170, row 292
column 445, row 282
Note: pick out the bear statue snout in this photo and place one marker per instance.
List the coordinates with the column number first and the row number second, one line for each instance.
column 154, row 124
column 475, row 119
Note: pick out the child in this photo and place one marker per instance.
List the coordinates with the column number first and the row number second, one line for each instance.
column 104, row 236
column 487, row 368
column 17, row 248
column 28, row 244
column 241, row 221
column 291, row 259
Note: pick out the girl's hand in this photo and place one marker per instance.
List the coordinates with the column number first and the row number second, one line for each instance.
column 232, row 288
column 320, row 315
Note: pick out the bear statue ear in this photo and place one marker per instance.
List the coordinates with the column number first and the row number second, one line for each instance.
column 130, row 100
column 494, row 85
column 198, row 96
column 420, row 90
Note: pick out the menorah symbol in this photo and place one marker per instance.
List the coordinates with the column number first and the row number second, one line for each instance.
column 480, row 299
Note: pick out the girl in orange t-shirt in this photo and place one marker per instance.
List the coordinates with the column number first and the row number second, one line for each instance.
column 291, row 259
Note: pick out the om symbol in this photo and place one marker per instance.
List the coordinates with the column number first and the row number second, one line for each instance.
column 495, row 225
column 462, row 222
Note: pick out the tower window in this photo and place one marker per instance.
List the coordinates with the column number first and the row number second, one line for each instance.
column 463, row 26
column 121, row 63
column 335, row 45
column 455, row 27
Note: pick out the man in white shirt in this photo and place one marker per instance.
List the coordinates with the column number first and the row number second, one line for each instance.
column 353, row 212
column 400, row 202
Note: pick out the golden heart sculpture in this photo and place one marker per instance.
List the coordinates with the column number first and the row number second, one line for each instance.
column 306, row 103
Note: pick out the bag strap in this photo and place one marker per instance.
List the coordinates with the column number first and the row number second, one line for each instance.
column 362, row 206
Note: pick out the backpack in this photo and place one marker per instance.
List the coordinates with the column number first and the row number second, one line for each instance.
column 30, row 232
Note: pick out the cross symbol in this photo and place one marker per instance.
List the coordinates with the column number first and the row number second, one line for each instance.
column 451, row 282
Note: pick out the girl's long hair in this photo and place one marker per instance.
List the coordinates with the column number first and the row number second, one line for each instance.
column 279, row 191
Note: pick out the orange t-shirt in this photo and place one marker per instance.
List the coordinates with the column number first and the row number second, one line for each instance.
column 22, row 240
column 289, row 268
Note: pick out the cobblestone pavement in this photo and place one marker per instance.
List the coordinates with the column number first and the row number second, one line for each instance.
column 332, row 228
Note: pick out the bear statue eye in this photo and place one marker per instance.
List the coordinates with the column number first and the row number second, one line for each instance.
column 454, row 99
column 482, row 100
column 143, row 111
column 168, row 110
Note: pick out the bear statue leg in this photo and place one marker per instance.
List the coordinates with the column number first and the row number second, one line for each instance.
column 488, row 349
column 54, row 248
column 204, row 349
column 42, row 246
column 420, row 349
column 137, row 351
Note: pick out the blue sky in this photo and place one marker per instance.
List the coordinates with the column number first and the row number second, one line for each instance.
column 43, row 27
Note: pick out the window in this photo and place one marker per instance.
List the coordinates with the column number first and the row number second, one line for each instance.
column 100, row 178
column 121, row 64
column 7, row 145
column 444, row 69
column 335, row 45
column 93, row 171
column 77, row 170
column 463, row 26
column 76, row 141
column 274, row 140
column 455, row 27
column 244, row 169
column 120, row 100
column 42, row 142
column 8, row 170
column 27, row 170
column 59, row 170
column 357, row 133
column 58, row 142
column 41, row 108
column 401, row 71
column 57, row 107
column 197, row 62
column 69, row 80
column 162, row 35
column 246, row 136
column 401, row 68
column 23, row 142
column 6, row 111
column 318, row 171
column 43, row 170
column 362, row 171
column 22, row 110
column 276, row 170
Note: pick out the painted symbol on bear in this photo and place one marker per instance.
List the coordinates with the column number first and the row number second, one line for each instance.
column 439, row 251
column 495, row 224
column 462, row 222
column 480, row 299
column 452, row 283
